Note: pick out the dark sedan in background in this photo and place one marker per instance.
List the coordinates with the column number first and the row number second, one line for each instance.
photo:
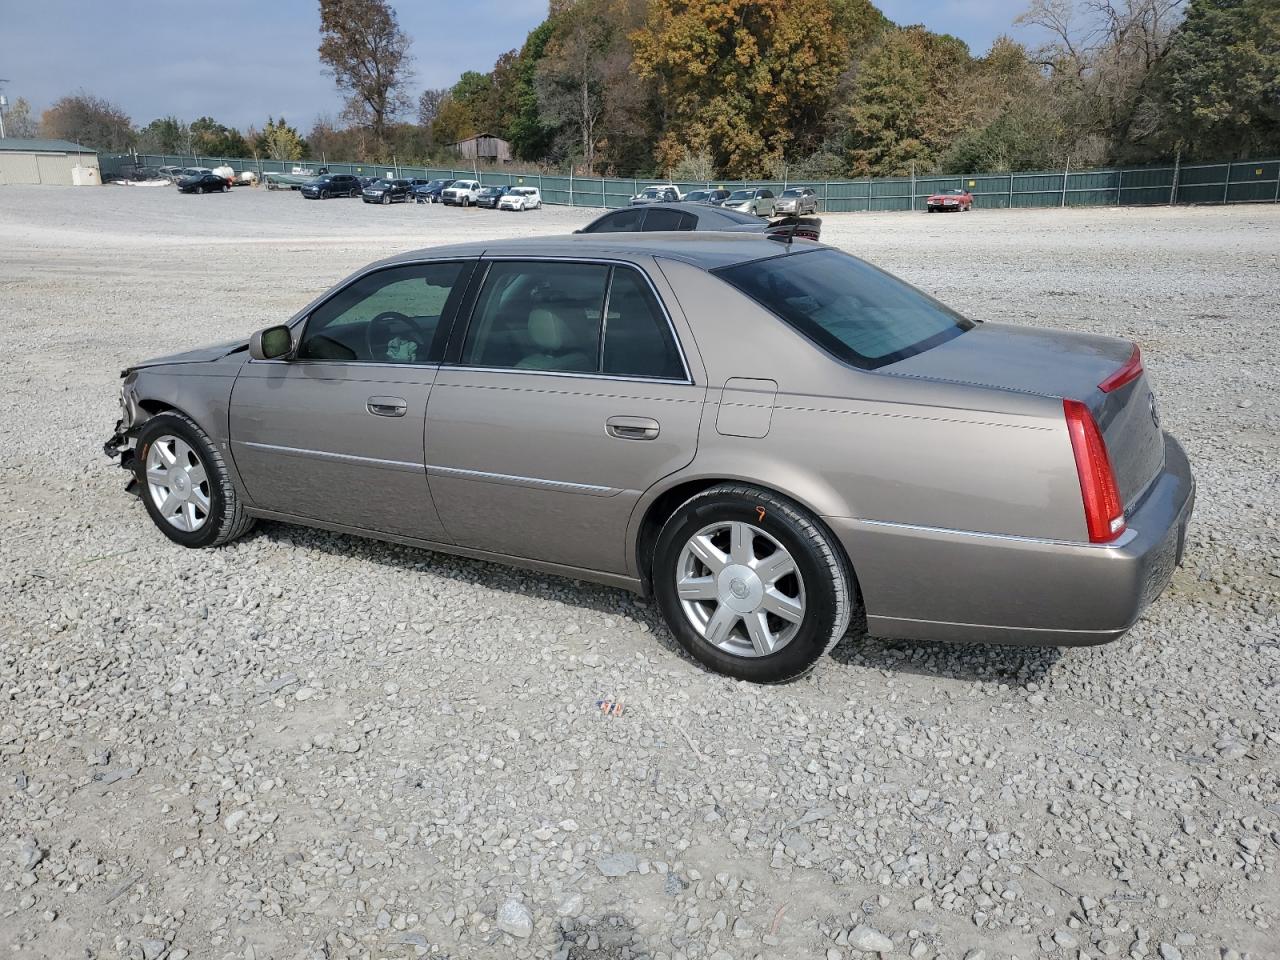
column 430, row 191
column 714, row 197
column 490, row 196
column 386, row 191
column 331, row 185
column 204, row 183
column 700, row 216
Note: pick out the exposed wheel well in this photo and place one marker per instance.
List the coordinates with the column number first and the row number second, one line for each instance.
column 156, row 406
column 668, row 502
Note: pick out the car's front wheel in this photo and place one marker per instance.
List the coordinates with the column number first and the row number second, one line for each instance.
column 185, row 484
column 750, row 584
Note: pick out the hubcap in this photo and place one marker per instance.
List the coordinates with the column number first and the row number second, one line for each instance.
column 177, row 483
column 740, row 589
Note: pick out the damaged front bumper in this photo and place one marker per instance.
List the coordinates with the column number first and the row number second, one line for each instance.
column 120, row 448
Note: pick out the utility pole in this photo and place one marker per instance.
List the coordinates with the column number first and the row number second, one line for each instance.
column 3, row 103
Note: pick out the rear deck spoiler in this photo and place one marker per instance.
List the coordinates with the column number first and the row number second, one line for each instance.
column 787, row 229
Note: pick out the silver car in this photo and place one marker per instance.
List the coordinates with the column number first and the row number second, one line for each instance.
column 757, row 201
column 797, row 200
column 774, row 439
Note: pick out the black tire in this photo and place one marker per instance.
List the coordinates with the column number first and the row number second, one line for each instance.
column 227, row 519
column 819, row 559
column 386, row 199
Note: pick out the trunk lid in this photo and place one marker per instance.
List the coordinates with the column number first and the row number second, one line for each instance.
column 1056, row 363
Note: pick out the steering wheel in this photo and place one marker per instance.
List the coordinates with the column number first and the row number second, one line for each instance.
column 383, row 327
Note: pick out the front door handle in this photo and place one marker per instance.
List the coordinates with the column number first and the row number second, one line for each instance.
column 632, row 428
column 387, row 406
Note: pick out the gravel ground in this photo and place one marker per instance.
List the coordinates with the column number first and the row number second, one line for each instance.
column 310, row 746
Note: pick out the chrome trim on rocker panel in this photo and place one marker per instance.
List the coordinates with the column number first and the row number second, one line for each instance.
column 403, row 465
column 589, row 489
column 1120, row 541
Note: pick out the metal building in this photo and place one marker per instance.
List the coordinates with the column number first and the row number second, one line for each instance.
column 484, row 146
column 48, row 161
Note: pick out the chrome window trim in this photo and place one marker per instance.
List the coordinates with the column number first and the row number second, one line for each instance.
column 1123, row 540
column 558, row 373
column 603, row 261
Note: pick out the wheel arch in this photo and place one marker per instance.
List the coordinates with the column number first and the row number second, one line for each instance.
column 661, row 501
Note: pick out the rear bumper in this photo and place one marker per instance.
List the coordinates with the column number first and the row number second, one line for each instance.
column 930, row 583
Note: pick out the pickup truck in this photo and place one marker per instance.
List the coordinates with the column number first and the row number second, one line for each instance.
column 461, row 193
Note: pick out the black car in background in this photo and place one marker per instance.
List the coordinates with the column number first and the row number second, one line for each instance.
column 386, row 191
column 700, row 216
column 203, row 183
column 490, row 196
column 429, row 191
column 331, row 185
column 714, row 197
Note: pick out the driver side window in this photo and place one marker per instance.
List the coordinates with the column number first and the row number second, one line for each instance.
column 391, row 316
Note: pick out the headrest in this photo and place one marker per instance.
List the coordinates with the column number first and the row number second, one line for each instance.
column 547, row 330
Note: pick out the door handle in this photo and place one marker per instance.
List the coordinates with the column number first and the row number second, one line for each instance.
column 632, row 428
column 387, row 406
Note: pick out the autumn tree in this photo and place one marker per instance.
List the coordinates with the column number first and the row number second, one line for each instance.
column 279, row 141
column 903, row 109
column 88, row 120
column 209, row 138
column 740, row 77
column 18, row 121
column 368, row 54
column 429, row 102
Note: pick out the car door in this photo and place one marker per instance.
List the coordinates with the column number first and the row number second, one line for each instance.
column 564, row 397
column 335, row 432
column 764, row 205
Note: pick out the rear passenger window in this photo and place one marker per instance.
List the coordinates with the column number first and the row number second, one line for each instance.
column 670, row 220
column 547, row 315
column 637, row 337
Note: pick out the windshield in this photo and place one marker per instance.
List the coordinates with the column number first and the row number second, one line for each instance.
column 651, row 192
column 741, row 195
column 792, row 193
column 855, row 312
column 697, row 195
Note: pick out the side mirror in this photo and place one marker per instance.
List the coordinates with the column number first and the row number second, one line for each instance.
column 271, row 343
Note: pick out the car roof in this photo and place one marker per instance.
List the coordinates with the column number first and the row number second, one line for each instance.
column 705, row 249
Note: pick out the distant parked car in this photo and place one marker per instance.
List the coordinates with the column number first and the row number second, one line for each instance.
column 700, row 216
column 203, row 183
column 757, row 200
column 430, row 191
column 386, row 191
column 331, row 185
column 521, row 198
column 169, row 172
column 461, row 193
column 797, row 200
column 707, row 196
column 658, row 193
column 949, row 200
column 489, row 196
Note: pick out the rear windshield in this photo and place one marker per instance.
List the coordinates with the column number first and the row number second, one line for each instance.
column 859, row 314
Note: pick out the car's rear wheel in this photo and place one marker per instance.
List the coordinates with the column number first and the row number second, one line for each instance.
column 750, row 584
column 185, row 484
column 225, row 188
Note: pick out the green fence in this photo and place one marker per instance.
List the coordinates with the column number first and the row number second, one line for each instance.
column 1239, row 181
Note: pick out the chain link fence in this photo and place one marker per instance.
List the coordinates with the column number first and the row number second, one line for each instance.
column 1239, row 181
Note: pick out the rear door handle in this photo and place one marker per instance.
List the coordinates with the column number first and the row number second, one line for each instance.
column 632, row 428
column 387, row 406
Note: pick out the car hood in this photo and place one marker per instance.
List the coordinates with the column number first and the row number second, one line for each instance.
column 198, row 355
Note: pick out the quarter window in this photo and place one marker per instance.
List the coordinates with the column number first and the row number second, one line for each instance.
column 392, row 316
column 584, row 318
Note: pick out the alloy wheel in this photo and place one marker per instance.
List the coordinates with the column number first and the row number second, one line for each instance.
column 178, row 483
column 740, row 589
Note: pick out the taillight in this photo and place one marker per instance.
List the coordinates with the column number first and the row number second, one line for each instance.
column 1131, row 371
column 1103, row 510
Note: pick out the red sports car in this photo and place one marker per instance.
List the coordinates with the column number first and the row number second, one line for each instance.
column 949, row 200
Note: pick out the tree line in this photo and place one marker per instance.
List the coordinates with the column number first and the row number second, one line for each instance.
column 710, row 89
